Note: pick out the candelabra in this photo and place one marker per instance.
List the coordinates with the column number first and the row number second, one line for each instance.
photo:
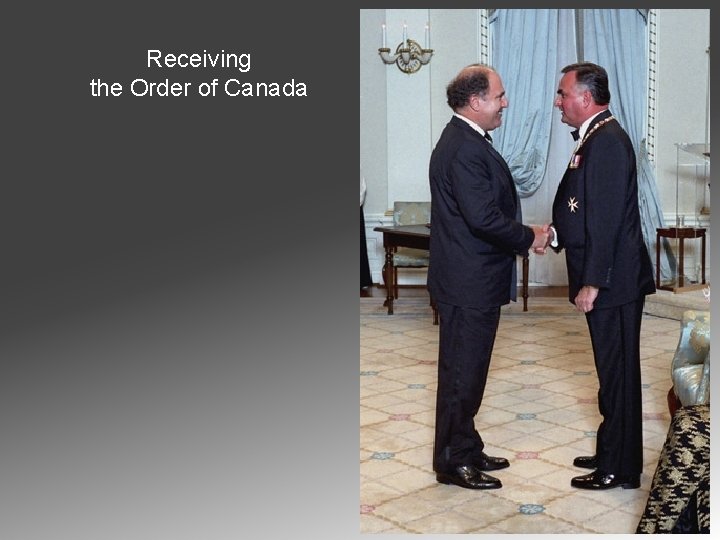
column 409, row 55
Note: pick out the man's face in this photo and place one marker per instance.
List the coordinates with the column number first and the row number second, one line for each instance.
column 490, row 107
column 571, row 100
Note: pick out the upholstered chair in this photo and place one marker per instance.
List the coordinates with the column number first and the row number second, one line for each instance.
column 409, row 213
column 690, row 369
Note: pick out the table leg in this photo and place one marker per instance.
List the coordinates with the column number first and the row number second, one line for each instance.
column 681, row 266
column 388, row 278
column 703, row 258
column 657, row 261
column 525, row 282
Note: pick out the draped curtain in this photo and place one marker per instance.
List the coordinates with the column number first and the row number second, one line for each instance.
column 524, row 45
column 617, row 39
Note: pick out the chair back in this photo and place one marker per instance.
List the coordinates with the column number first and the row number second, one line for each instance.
column 411, row 212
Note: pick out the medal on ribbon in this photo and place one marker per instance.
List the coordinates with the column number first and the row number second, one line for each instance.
column 576, row 158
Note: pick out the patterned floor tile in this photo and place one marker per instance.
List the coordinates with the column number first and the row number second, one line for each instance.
column 539, row 411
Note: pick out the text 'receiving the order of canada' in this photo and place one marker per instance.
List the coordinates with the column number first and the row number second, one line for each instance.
column 206, row 60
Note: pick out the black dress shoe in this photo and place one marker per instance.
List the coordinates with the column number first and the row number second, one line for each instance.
column 470, row 477
column 490, row 463
column 586, row 462
column 603, row 480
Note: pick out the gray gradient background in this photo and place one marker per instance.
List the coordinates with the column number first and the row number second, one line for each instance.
column 178, row 315
column 178, row 304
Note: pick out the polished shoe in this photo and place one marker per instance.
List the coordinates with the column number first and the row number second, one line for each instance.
column 586, row 462
column 603, row 480
column 470, row 477
column 490, row 463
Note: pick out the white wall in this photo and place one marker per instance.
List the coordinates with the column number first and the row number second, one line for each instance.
column 682, row 73
column 401, row 116
column 373, row 111
column 682, row 108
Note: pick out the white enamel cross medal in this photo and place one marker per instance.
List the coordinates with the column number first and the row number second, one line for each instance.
column 573, row 204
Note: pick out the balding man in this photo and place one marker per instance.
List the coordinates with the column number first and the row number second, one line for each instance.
column 475, row 237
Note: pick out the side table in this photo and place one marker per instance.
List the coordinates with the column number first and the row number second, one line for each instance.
column 681, row 233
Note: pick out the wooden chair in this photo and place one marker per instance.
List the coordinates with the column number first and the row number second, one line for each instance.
column 409, row 213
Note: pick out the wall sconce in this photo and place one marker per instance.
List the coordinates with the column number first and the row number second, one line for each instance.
column 409, row 56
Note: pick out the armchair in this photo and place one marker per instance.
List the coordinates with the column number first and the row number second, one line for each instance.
column 690, row 368
column 679, row 496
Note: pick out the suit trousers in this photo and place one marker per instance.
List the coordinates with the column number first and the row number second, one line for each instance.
column 615, row 337
column 467, row 336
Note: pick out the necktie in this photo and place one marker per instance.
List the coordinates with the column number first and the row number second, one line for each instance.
column 488, row 137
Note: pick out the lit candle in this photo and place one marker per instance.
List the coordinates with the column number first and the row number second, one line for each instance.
column 384, row 37
column 404, row 35
column 427, row 36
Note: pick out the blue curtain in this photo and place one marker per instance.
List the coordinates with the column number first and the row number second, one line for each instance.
column 524, row 45
column 616, row 39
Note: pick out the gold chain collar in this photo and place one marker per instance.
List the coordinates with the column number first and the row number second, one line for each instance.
column 595, row 128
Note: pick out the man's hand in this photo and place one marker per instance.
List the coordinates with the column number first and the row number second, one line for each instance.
column 586, row 298
column 543, row 237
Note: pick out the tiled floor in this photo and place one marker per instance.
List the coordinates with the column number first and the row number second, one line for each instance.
column 539, row 411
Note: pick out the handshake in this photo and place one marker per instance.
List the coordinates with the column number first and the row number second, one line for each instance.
column 543, row 236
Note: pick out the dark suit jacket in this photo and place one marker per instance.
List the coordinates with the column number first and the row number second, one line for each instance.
column 597, row 219
column 476, row 233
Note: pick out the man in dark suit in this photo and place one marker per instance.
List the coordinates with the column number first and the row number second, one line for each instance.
column 597, row 221
column 475, row 236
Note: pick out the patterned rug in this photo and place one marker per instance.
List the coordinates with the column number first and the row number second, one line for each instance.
column 539, row 411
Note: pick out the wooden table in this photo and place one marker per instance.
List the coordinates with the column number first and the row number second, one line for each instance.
column 418, row 237
column 681, row 233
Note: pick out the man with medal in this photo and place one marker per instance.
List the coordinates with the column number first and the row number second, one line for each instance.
column 596, row 220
